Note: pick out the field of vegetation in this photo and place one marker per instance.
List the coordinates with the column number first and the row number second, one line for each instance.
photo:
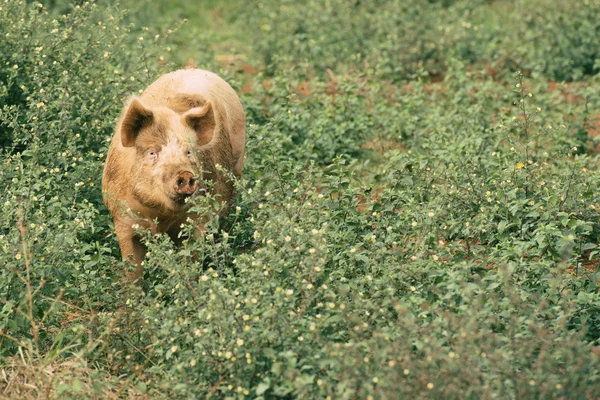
column 417, row 218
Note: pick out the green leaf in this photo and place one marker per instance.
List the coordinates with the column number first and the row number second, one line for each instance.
column 262, row 388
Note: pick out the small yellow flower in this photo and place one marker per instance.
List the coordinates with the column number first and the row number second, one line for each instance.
column 18, row 256
column 519, row 165
column 430, row 386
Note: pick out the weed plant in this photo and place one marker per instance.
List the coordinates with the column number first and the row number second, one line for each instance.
column 417, row 218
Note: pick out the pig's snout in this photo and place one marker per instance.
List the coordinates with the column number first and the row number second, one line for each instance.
column 186, row 183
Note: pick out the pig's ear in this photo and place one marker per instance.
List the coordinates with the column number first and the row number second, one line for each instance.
column 136, row 118
column 202, row 120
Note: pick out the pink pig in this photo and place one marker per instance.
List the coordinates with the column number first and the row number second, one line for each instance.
column 167, row 144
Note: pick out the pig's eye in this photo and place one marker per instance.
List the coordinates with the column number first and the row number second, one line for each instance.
column 153, row 153
column 189, row 153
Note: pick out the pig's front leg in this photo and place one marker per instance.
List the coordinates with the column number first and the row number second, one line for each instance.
column 132, row 250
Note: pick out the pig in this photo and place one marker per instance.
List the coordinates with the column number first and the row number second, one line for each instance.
column 186, row 129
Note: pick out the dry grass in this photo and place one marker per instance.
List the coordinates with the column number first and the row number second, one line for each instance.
column 71, row 378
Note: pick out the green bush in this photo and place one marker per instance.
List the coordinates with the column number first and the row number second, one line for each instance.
column 415, row 240
column 400, row 40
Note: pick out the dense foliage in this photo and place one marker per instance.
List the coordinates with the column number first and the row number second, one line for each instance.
column 418, row 215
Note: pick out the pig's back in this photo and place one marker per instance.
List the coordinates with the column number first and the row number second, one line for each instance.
column 187, row 88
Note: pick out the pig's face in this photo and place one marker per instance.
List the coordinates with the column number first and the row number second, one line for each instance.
column 167, row 171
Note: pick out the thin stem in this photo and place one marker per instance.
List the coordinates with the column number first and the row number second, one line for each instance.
column 34, row 328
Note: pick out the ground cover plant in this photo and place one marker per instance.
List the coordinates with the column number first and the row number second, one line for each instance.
column 417, row 218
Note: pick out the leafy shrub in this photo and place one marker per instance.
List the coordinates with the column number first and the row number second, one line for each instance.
column 425, row 239
column 400, row 40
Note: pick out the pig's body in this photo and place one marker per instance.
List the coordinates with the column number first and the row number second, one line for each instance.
column 167, row 144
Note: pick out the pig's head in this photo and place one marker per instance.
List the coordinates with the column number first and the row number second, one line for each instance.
column 167, row 170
